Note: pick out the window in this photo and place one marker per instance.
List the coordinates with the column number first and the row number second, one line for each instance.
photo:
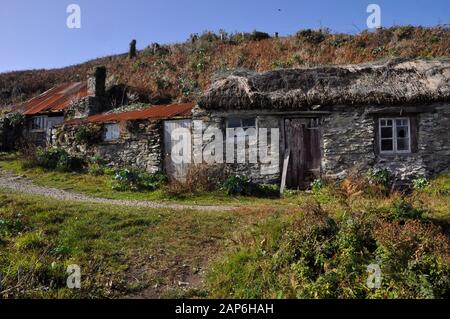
column 112, row 132
column 395, row 135
column 235, row 122
column 39, row 123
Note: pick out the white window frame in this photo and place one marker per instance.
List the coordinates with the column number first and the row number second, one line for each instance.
column 112, row 132
column 394, row 135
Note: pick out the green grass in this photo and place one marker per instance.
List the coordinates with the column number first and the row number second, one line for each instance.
column 100, row 186
column 322, row 249
column 120, row 250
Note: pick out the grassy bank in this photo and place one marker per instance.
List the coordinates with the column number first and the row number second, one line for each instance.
column 121, row 251
column 324, row 251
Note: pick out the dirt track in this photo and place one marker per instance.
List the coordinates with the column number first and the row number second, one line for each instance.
column 23, row 185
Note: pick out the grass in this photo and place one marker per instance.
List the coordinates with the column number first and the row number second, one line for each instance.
column 121, row 250
column 181, row 71
column 323, row 250
column 100, row 186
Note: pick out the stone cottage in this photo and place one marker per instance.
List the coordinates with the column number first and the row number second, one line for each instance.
column 51, row 108
column 339, row 120
column 140, row 139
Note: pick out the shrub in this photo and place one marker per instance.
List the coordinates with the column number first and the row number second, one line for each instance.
column 311, row 36
column 238, row 185
column 96, row 169
column 317, row 256
column 88, row 134
column 379, row 177
column 200, row 178
column 403, row 210
column 419, row 184
column 137, row 180
column 258, row 35
column 317, row 185
column 57, row 159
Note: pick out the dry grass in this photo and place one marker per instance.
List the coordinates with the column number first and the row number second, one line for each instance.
column 182, row 71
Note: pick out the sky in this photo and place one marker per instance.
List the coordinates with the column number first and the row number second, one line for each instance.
column 34, row 34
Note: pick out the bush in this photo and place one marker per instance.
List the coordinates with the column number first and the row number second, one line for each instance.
column 258, row 35
column 238, row 185
column 419, row 184
column 137, row 180
column 56, row 159
column 317, row 185
column 88, row 134
column 402, row 210
column 311, row 36
column 317, row 256
column 379, row 177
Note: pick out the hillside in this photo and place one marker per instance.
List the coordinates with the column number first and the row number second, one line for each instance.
column 181, row 71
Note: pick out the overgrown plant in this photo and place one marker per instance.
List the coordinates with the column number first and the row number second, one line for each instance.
column 420, row 183
column 88, row 134
column 129, row 179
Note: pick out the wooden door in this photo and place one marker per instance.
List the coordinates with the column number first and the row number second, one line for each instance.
column 176, row 170
column 303, row 141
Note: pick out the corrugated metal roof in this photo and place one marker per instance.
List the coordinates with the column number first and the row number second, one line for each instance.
column 155, row 112
column 56, row 99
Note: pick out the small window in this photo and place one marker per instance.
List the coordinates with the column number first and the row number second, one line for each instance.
column 395, row 135
column 112, row 132
column 234, row 122
column 39, row 123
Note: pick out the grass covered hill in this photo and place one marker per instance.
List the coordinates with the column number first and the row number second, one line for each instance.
column 181, row 71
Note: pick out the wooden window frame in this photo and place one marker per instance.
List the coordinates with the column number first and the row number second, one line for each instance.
column 241, row 120
column 43, row 119
column 394, row 136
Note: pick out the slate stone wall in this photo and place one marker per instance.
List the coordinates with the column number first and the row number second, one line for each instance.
column 349, row 142
column 139, row 145
column 258, row 172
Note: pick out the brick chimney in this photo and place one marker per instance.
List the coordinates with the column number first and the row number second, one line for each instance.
column 96, row 82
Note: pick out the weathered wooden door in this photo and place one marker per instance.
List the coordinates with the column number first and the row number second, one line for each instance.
column 303, row 140
column 175, row 168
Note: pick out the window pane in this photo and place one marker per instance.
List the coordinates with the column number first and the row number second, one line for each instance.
column 387, row 145
column 112, row 132
column 389, row 122
column 383, row 122
column 402, row 132
column 386, row 132
column 403, row 144
column 249, row 122
column 234, row 122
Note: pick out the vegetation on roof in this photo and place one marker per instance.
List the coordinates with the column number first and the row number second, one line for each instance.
column 182, row 71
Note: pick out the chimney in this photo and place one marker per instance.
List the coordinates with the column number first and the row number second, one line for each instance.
column 96, row 82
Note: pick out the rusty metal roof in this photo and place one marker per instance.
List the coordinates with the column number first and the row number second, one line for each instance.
column 154, row 112
column 56, row 99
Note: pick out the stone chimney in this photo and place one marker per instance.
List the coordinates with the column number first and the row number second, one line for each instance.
column 96, row 82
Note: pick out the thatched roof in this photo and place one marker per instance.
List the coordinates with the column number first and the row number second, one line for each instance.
column 381, row 83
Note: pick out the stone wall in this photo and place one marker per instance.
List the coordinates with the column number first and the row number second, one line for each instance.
column 139, row 145
column 272, row 173
column 349, row 141
column 348, row 136
column 350, row 147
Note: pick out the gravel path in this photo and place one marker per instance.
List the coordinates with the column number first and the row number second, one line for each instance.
column 24, row 185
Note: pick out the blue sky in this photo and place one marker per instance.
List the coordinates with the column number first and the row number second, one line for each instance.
column 34, row 34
